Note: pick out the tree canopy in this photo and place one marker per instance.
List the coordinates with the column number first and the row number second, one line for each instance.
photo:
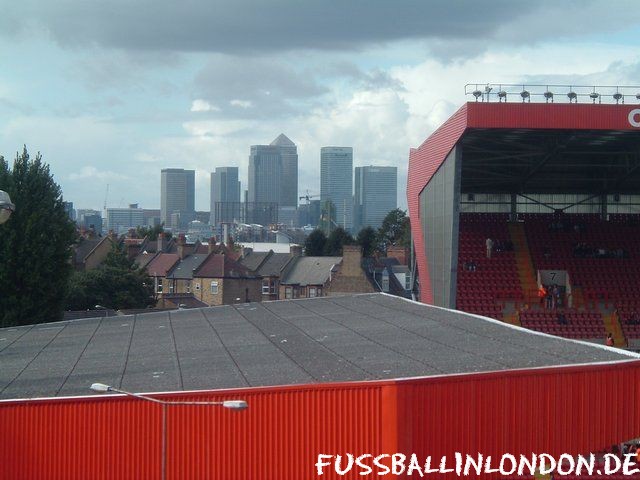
column 395, row 229
column 367, row 238
column 35, row 244
column 117, row 283
column 152, row 232
column 315, row 243
column 336, row 240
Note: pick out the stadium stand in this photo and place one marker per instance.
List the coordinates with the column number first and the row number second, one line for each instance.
column 602, row 258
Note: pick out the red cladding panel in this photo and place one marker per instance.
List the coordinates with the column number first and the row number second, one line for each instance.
column 423, row 163
column 554, row 410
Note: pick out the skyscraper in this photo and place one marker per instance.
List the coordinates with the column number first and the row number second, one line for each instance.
column 273, row 173
column 289, row 170
column 225, row 195
column 376, row 194
column 177, row 196
column 336, row 182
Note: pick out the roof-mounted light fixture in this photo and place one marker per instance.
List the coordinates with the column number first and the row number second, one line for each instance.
column 573, row 96
column 526, row 96
column 617, row 97
column 502, row 96
column 595, row 96
column 477, row 94
column 548, row 95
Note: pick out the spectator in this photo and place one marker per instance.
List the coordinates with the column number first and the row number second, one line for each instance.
column 609, row 342
column 542, row 294
column 549, row 298
column 470, row 266
column 489, row 244
column 562, row 319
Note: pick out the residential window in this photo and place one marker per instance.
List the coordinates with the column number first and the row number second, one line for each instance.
column 159, row 286
column 188, row 287
column 288, row 292
column 266, row 286
column 407, row 281
column 214, row 288
column 312, row 292
column 319, row 292
column 171, row 287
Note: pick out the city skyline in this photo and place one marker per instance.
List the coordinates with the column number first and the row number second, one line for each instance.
column 135, row 93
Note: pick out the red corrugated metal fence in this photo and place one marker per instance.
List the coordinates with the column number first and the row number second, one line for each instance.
column 573, row 410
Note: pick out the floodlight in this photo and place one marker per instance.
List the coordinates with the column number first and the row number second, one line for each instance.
column 477, row 94
column 235, row 404
column 502, row 95
column 100, row 387
column 548, row 96
column 594, row 96
column 573, row 96
column 617, row 97
column 525, row 96
column 638, row 96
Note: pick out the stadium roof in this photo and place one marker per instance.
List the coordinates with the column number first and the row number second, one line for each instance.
column 329, row 339
column 537, row 148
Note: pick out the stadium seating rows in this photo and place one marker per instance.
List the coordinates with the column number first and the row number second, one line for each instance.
column 605, row 268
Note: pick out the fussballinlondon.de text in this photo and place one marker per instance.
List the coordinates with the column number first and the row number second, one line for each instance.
column 465, row 465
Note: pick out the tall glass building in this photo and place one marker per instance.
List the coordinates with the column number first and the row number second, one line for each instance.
column 177, row 196
column 273, row 174
column 336, row 182
column 376, row 194
column 225, row 195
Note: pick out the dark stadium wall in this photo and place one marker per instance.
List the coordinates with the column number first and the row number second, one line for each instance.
column 440, row 208
column 547, row 410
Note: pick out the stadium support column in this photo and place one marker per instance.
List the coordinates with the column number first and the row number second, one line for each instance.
column 514, row 208
column 603, row 206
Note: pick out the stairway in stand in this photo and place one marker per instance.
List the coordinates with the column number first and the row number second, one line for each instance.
column 526, row 272
column 612, row 324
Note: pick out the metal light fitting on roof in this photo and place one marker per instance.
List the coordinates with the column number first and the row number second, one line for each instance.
column 486, row 92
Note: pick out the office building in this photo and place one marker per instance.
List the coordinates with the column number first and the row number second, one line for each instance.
column 68, row 208
column 89, row 219
column 376, row 194
column 120, row 220
column 273, row 173
column 225, row 195
column 336, row 182
column 177, row 197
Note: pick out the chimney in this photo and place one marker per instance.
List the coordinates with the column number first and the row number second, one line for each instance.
column 160, row 246
column 113, row 235
column 351, row 260
column 295, row 250
column 132, row 233
column 182, row 242
column 401, row 253
column 212, row 244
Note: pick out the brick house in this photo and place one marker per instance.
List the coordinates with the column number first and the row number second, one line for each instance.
column 90, row 252
column 221, row 280
column 269, row 267
column 158, row 268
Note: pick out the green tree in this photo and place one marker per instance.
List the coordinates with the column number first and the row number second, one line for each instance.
column 336, row 240
column 367, row 239
column 118, row 283
column 395, row 229
column 315, row 243
column 152, row 232
column 35, row 244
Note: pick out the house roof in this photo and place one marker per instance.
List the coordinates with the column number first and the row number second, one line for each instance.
column 184, row 268
column 328, row 339
column 161, row 264
column 274, row 264
column 254, row 259
column 86, row 246
column 310, row 271
column 221, row 266
column 143, row 259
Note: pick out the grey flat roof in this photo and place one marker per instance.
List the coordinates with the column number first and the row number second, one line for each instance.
column 328, row 339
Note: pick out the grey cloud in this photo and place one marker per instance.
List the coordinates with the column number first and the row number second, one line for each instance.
column 250, row 26
column 241, row 86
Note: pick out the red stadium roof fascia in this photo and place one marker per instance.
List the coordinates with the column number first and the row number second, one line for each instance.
column 425, row 160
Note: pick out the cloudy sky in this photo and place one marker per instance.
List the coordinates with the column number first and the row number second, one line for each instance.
column 111, row 92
